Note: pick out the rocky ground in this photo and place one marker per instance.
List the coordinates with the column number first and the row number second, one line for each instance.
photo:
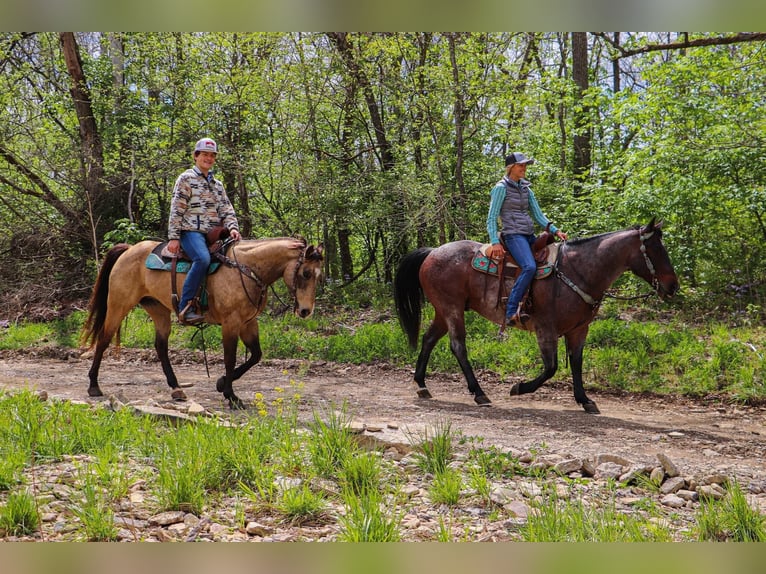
column 693, row 447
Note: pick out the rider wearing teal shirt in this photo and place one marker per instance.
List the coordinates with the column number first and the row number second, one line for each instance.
column 514, row 205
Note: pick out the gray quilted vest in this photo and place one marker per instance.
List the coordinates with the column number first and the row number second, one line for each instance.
column 514, row 214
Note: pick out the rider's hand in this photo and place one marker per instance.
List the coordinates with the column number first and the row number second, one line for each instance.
column 174, row 246
column 561, row 235
column 496, row 251
column 235, row 235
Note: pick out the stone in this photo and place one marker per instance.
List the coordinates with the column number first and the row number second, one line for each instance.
column 608, row 470
column 608, row 457
column 568, row 466
column 672, row 485
column 673, row 501
column 167, row 518
column 667, row 465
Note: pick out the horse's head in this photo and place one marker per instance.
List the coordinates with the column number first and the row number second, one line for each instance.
column 654, row 265
column 304, row 277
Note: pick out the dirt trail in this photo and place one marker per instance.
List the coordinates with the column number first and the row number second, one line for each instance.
column 700, row 437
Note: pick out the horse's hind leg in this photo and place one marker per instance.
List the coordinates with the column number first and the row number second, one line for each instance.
column 162, row 323
column 458, row 348
column 435, row 332
column 111, row 326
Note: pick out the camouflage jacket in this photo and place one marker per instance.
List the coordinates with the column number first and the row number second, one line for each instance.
column 199, row 203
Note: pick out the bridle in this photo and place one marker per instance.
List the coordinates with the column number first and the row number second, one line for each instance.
column 595, row 303
column 247, row 271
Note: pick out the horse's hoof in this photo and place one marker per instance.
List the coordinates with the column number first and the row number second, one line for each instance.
column 424, row 393
column 219, row 384
column 95, row 392
column 178, row 395
column 515, row 390
column 591, row 408
column 482, row 400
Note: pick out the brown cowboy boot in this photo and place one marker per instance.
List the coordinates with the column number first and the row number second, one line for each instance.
column 189, row 314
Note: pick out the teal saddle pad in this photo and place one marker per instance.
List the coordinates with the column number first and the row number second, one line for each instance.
column 156, row 261
column 482, row 263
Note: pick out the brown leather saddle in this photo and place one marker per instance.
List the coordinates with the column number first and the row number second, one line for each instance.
column 508, row 269
column 160, row 259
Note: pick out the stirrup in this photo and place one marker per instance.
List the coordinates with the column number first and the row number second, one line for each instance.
column 189, row 315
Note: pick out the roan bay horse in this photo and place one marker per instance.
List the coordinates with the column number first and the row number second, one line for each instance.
column 563, row 304
column 236, row 296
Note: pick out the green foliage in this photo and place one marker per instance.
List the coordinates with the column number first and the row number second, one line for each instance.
column 730, row 519
column 569, row 520
column 300, row 504
column 94, row 512
column 331, row 442
column 368, row 519
column 434, row 447
column 445, row 487
column 19, row 516
column 360, row 474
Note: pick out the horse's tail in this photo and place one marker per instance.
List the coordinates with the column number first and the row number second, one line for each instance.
column 408, row 293
column 94, row 324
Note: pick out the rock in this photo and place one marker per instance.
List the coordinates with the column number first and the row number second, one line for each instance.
column 517, row 509
column 689, row 495
column 258, row 529
column 633, row 473
column 657, row 475
column 711, row 491
column 501, row 495
column 616, row 459
column 672, row 485
column 167, row 518
column 568, row 466
column 673, row 501
column 714, row 479
column 667, row 465
column 608, row 470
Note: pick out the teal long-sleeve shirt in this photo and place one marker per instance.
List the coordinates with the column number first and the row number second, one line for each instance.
column 497, row 196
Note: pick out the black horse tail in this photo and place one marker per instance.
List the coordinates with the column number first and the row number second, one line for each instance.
column 94, row 324
column 408, row 293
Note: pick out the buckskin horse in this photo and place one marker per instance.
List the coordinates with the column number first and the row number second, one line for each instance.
column 563, row 304
column 236, row 295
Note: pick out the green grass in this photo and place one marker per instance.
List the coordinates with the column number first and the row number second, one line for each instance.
column 19, row 516
column 570, row 520
column 730, row 519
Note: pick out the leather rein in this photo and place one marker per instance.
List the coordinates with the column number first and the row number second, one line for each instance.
column 595, row 303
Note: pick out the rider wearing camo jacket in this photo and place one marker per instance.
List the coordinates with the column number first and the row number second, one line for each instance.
column 198, row 205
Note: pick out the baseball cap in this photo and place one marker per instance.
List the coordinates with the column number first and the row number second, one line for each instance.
column 206, row 144
column 518, row 157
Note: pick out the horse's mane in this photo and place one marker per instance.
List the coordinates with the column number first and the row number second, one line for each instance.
column 599, row 236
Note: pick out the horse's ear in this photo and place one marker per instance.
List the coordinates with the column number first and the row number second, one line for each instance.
column 658, row 225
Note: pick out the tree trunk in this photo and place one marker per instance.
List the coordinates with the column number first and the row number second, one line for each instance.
column 582, row 137
column 99, row 204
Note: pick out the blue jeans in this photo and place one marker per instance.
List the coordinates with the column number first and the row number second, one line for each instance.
column 195, row 247
column 520, row 246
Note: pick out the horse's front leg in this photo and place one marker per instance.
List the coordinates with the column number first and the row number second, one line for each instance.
column 250, row 338
column 575, row 346
column 548, row 344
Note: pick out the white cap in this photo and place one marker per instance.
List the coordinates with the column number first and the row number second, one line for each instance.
column 206, row 144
